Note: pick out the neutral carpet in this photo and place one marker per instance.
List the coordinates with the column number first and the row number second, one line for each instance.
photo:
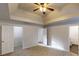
column 39, row 51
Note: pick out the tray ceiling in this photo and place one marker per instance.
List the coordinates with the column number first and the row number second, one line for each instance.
column 62, row 11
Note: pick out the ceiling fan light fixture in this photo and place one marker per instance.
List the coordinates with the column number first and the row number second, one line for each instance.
column 43, row 7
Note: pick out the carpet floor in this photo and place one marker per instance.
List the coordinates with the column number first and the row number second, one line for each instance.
column 39, row 51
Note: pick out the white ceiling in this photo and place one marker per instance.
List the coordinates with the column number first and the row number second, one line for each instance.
column 24, row 12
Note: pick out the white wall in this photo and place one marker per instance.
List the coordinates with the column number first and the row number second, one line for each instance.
column 30, row 36
column 58, row 37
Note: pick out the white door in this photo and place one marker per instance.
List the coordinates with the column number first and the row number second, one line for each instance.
column 7, row 39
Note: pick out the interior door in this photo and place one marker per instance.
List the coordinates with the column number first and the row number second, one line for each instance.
column 7, row 39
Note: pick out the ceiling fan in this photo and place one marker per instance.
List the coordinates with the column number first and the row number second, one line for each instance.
column 43, row 7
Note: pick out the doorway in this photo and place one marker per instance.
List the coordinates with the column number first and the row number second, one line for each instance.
column 43, row 36
column 18, row 36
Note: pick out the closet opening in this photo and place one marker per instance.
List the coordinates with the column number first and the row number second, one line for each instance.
column 43, row 36
column 18, row 36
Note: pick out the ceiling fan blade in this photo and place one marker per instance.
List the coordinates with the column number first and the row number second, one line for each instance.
column 41, row 3
column 50, row 9
column 36, row 9
column 36, row 3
